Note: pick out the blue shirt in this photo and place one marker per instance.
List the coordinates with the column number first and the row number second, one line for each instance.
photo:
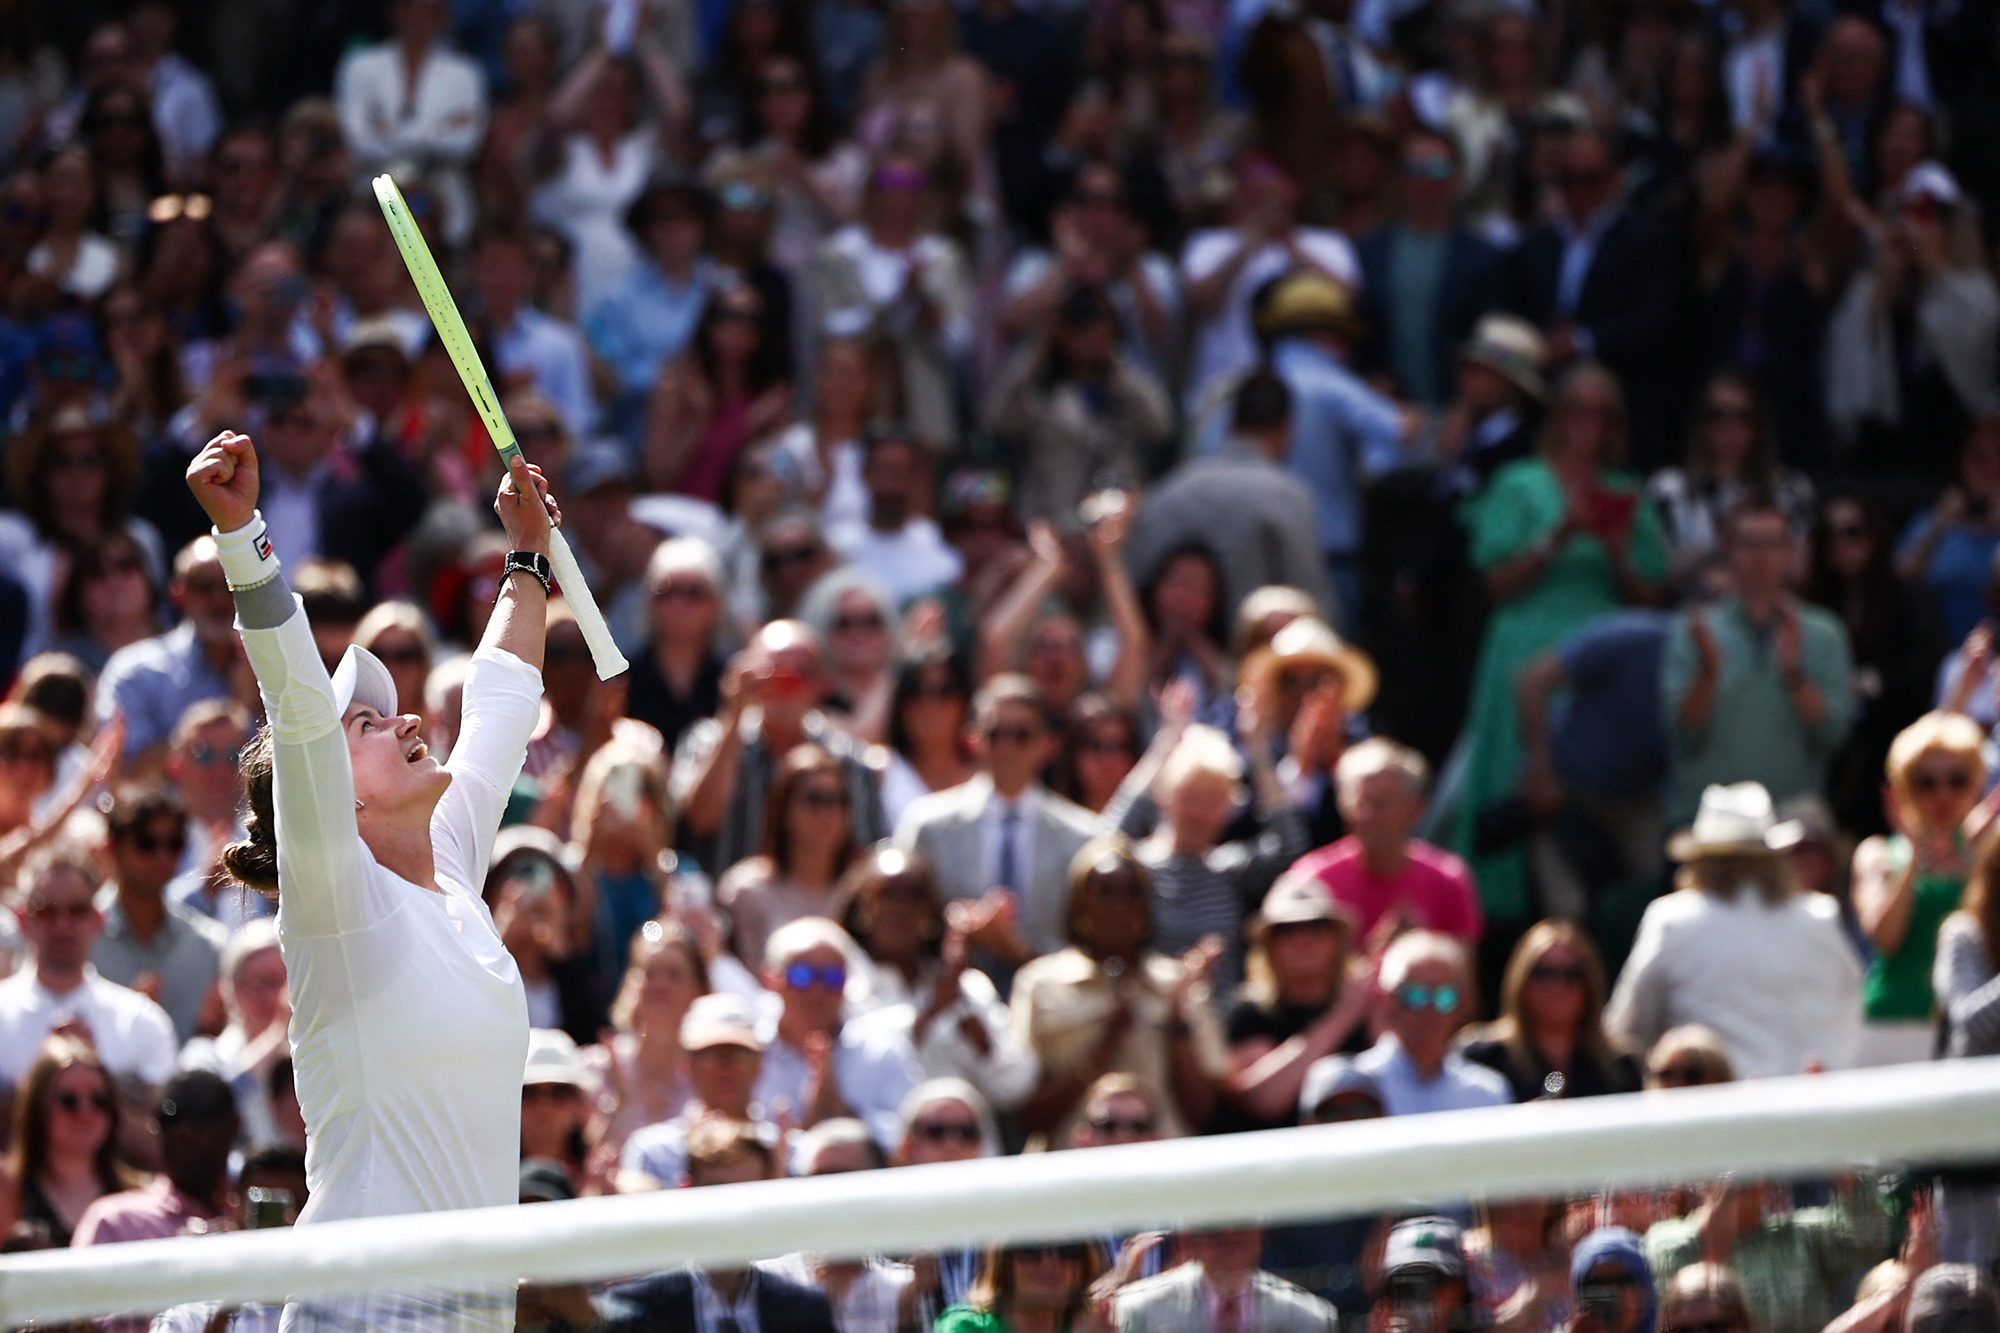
column 153, row 681
column 1460, row 1084
column 1960, row 564
column 1604, row 732
column 1344, row 434
column 647, row 319
column 553, row 352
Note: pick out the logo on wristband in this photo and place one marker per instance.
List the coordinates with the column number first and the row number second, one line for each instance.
column 263, row 544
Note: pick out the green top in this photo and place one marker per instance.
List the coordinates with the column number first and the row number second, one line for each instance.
column 1520, row 508
column 1796, row 1267
column 1898, row 985
column 966, row 1319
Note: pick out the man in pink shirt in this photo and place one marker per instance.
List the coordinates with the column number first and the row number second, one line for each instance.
column 1387, row 877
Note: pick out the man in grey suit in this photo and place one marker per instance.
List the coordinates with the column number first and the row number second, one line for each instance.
column 1219, row 1288
column 1004, row 830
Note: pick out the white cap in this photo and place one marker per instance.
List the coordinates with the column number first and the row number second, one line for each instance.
column 553, row 1058
column 362, row 679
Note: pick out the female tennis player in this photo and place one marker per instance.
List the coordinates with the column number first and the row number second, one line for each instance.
column 409, row 1020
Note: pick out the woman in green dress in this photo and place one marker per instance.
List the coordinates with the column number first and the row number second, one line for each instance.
column 1907, row 883
column 1559, row 538
column 1028, row 1289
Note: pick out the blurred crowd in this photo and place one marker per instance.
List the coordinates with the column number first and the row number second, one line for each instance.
column 1188, row 567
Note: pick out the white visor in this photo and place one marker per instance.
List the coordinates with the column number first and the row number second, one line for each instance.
column 362, row 679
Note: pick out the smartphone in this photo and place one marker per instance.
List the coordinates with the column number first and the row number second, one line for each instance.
column 536, row 877
column 268, row 1207
column 622, row 787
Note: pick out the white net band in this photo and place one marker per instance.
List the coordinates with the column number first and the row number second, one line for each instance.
column 1919, row 1113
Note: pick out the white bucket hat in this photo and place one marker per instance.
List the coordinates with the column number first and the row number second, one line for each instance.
column 1736, row 820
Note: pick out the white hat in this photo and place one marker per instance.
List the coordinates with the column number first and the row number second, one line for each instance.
column 552, row 1058
column 1929, row 180
column 362, row 679
column 720, row 1019
column 1736, row 820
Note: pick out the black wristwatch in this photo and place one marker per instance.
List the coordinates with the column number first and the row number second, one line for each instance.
column 528, row 562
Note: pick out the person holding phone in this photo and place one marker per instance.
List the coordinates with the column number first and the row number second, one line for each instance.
column 379, row 915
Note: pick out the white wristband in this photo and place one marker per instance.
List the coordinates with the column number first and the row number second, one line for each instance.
column 247, row 558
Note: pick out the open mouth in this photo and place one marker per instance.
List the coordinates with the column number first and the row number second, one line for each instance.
column 417, row 753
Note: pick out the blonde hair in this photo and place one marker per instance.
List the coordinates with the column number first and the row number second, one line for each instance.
column 620, row 752
column 401, row 615
column 1935, row 732
column 1201, row 750
column 1378, row 754
column 1421, row 946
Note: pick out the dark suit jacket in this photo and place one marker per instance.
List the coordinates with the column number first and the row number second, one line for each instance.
column 1474, row 283
column 372, row 499
column 664, row 1303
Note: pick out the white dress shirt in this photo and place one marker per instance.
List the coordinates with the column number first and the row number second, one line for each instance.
column 437, row 130
column 710, row 1308
column 1460, row 1084
column 133, row 1036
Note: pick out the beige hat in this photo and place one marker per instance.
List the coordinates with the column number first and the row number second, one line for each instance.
column 1736, row 820
column 1511, row 348
column 1306, row 299
column 1296, row 899
column 552, row 1058
column 720, row 1019
column 1309, row 639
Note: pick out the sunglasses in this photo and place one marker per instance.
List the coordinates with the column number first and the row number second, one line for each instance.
column 1417, row 998
column 1108, row 1125
column 1926, row 783
column 552, row 1092
column 1544, row 972
column 945, row 1131
column 143, row 841
column 799, row 976
column 565, row 652
column 821, row 798
column 73, row 1102
column 201, row 752
column 1013, row 735
column 1104, row 747
column 846, row 624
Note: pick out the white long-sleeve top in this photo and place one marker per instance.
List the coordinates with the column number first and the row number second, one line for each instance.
column 437, row 129
column 410, row 1023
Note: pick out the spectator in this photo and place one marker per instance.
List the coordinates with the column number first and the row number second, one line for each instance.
column 820, row 1065
column 544, row 921
column 826, row 443
column 1344, row 433
column 639, row 1066
column 1906, row 884
column 1597, row 758
column 808, row 845
column 1424, row 1278
column 1220, row 1285
column 1256, row 516
column 1425, row 278
column 529, row 345
column 867, row 1294
column 412, row 103
column 111, row 599
column 399, row 634
column 789, row 146
column 1705, row 1295
column 1298, row 1002
column 1003, row 829
column 729, row 387
column 685, row 1300
column 1558, row 539
column 1311, row 686
column 1963, row 978
column 928, row 733
column 889, row 903
column 1100, row 746
column 1796, row 1264
column 203, row 769
column 257, row 998
column 1690, row 1056
column 898, row 544
column 1549, row 1041
column 726, row 764
column 1080, row 411
column 1598, row 279
column 132, row 1035
column 64, row 1155
column 1179, row 800
column 1186, row 626
column 724, row 1060
column 649, row 318
column 1381, row 874
column 678, row 679
column 1109, row 1004
column 946, row 1120
column 857, row 619
column 152, row 682
column 1425, row 981
column 1613, row 1282
column 161, row 949
column 1950, row 548
column 1023, row 1287
column 1739, row 948
column 1732, row 454
column 198, row 1126
column 556, row 1096
column 619, row 831
column 908, row 285
column 1757, row 687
